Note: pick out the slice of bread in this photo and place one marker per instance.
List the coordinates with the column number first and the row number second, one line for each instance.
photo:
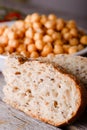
column 43, row 90
column 76, row 65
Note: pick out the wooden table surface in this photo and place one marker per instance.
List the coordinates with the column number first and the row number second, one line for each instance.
column 12, row 119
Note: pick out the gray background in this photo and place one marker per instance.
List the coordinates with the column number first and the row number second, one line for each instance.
column 67, row 9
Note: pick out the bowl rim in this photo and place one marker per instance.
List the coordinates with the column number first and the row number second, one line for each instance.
column 82, row 52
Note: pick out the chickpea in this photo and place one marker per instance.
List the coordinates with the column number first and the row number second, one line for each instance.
column 28, row 25
column 21, row 48
column 83, row 40
column 6, row 32
column 27, row 18
column 13, row 43
column 38, row 36
column 47, row 38
column 29, row 33
column 28, row 41
column 50, row 32
column 73, row 49
column 74, row 32
column 31, row 48
column 19, row 24
column 46, row 50
column 36, row 25
column 59, row 35
column 39, row 30
column 35, row 17
column 56, row 35
column 11, row 35
column 39, row 44
column 52, row 17
column 43, row 19
column 64, row 30
column 80, row 47
column 66, row 48
column 58, row 49
column 60, row 24
column 20, row 41
column 81, row 32
column 67, row 36
column 34, row 54
column 58, row 42
column 50, row 24
column 9, row 49
column 19, row 34
column 3, row 40
column 25, row 53
column 71, row 24
column 50, row 55
column 1, row 50
column 73, row 41
column 13, row 28
column 2, row 29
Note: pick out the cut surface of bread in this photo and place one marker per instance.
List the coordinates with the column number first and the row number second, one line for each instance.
column 76, row 65
column 43, row 90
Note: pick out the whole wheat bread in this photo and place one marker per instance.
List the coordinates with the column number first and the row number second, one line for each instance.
column 76, row 65
column 43, row 90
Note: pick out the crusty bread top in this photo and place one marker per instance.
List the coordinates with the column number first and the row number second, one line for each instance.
column 76, row 65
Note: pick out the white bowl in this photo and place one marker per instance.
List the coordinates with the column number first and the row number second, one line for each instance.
column 82, row 52
column 2, row 62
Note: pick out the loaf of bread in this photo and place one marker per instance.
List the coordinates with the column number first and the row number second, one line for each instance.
column 76, row 65
column 43, row 90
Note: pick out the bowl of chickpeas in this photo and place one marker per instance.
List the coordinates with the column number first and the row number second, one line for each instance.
column 41, row 35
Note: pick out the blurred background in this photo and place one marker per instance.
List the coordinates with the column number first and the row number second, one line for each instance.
column 67, row 9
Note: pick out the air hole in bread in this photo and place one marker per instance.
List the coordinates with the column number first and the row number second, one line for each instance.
column 29, row 74
column 54, row 93
column 15, row 89
column 14, row 67
column 39, row 72
column 17, row 73
column 23, row 95
column 55, row 104
column 34, row 81
column 24, row 71
column 28, row 91
column 59, row 86
column 37, row 103
column 35, row 86
column 77, row 70
column 40, row 81
column 47, row 94
column 41, row 98
column 67, row 92
column 64, row 115
column 47, row 103
column 27, row 103
column 52, row 79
